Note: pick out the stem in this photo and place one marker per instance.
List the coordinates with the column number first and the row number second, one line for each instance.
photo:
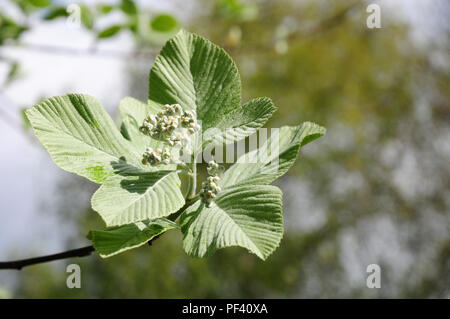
column 188, row 203
column 193, row 180
column 19, row 264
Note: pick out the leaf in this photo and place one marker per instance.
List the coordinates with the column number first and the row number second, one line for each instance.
column 135, row 195
column 236, row 9
column 242, row 122
column 198, row 75
column 133, row 113
column 25, row 122
column 13, row 73
column 40, row 3
column 115, row 240
column 164, row 23
column 274, row 158
column 9, row 29
column 109, row 32
column 81, row 137
column 55, row 12
column 87, row 18
column 128, row 7
column 248, row 216
column 105, row 8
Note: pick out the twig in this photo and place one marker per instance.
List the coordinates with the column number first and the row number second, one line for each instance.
column 19, row 264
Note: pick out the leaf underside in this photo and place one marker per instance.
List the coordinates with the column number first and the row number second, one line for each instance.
column 82, row 138
column 274, row 158
column 198, row 75
column 138, row 196
column 247, row 216
column 247, row 212
column 115, row 240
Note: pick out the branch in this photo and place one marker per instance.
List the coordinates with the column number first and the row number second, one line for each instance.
column 79, row 252
column 325, row 24
column 301, row 33
column 52, row 49
column 19, row 264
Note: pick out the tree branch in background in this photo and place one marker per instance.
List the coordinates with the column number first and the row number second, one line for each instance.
column 325, row 24
column 52, row 49
column 19, row 264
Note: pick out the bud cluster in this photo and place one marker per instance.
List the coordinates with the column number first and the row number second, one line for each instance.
column 189, row 121
column 156, row 156
column 172, row 117
column 214, row 168
column 210, row 187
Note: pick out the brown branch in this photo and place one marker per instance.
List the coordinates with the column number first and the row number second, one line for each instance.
column 19, row 264
column 79, row 252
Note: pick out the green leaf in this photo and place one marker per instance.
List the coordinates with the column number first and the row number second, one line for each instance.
column 81, row 137
column 87, row 18
column 164, row 23
column 133, row 113
column 115, row 240
column 237, row 9
column 128, row 7
column 197, row 74
column 105, row 8
column 25, row 122
column 9, row 29
column 55, row 12
column 14, row 72
column 40, row 3
column 109, row 32
column 136, row 195
column 242, row 122
column 274, row 158
column 248, row 216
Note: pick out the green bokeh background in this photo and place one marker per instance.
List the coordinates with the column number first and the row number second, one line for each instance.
column 378, row 182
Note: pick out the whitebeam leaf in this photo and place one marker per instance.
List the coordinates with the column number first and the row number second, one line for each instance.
column 134, row 195
column 242, row 122
column 197, row 74
column 133, row 112
column 274, row 158
column 115, row 240
column 80, row 136
column 248, row 216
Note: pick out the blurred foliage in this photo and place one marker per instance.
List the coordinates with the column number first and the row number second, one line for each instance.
column 9, row 29
column 148, row 28
column 374, row 190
